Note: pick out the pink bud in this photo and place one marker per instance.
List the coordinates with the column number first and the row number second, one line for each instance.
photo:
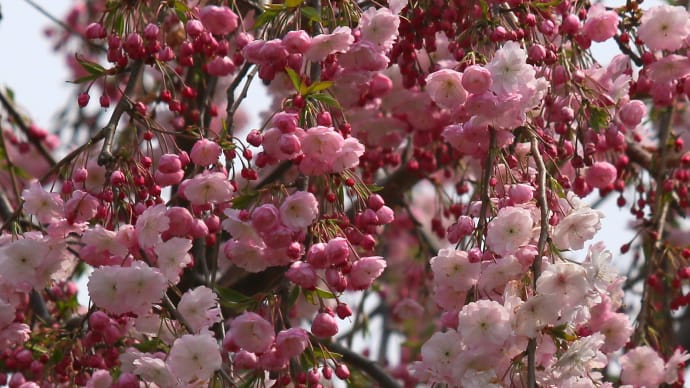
column 220, row 66
column 265, row 217
column 194, row 28
column 302, row 274
column 83, row 99
column 476, row 79
column 631, row 114
column 380, row 85
column 151, row 31
column 342, row 371
column 180, row 221
column 98, row 321
column 297, row 42
column 286, row 122
column 205, row 152
column 218, row 20
column 337, row 251
column 317, row 256
column 291, row 342
column 601, row 175
column 324, row 325
column 169, row 163
column 95, row 31
column 343, row 311
column 385, row 215
column 245, row 360
column 536, row 53
column 365, row 271
column 289, row 143
column 521, row 193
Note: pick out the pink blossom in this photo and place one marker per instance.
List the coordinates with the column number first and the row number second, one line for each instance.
column 631, row 113
column 379, row 26
column 297, row 41
column 247, row 254
column 252, row 332
column 302, row 274
column 81, row 207
column 150, row 224
column 476, row 79
column 194, row 357
column 199, row 307
column 441, row 358
column 669, row 68
column 445, row 88
column 154, row 370
column 642, row 366
column 102, row 247
column 291, row 342
column 510, row 230
column 453, row 269
column 364, row 56
column 664, row 27
column 674, row 365
column 365, row 271
column 28, row 263
column 299, row 210
column 601, row 175
column 324, row 325
column 325, row 44
column 321, row 143
column 219, row 20
column 617, row 329
column 484, row 323
column 509, row 69
column 220, row 66
column 245, row 360
column 172, row 257
column 44, row 205
column 140, row 285
column 209, row 188
column 600, row 24
column 577, row 227
column 100, row 379
column 205, row 152
column 536, row 313
column 566, row 280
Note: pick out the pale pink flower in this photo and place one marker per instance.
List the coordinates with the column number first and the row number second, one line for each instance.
column 567, row 280
column 631, row 113
column 219, row 20
column 100, row 379
column 322, row 45
column 664, row 27
column 453, row 269
column 365, row 271
column 194, row 357
column 476, row 79
column 441, row 358
column 580, row 225
column 252, row 332
column 7, row 312
column 642, row 366
column 379, row 26
column 674, row 365
column 302, row 274
column 291, row 342
column 536, row 313
column 172, row 257
column 510, row 230
column 484, row 323
column 509, row 69
column 140, row 285
column 600, row 24
column 496, row 274
column 42, row 204
column 210, row 188
column 237, row 228
column 220, row 66
column 669, row 68
column 81, row 207
column 321, row 143
column 445, row 88
column 205, row 152
column 199, row 307
column 581, row 357
column 102, row 247
column 364, row 56
column 601, row 273
column 26, row 263
column 154, row 370
column 617, row 329
column 348, row 155
column 299, row 210
column 150, row 224
column 247, row 254
column 324, row 325
column 601, row 174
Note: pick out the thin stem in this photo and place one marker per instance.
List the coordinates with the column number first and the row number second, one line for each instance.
column 17, row 118
column 541, row 244
column 367, row 366
column 123, row 105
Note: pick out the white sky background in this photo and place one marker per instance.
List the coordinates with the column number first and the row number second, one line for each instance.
column 38, row 77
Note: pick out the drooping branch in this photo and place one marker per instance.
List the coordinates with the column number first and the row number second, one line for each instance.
column 367, row 366
column 17, row 118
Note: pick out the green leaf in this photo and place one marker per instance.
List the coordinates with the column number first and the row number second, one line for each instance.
column 311, row 13
column 374, row 188
column 294, row 78
column 119, row 25
column 293, row 3
column 86, row 78
column 319, row 86
column 598, row 118
column 181, row 10
column 266, row 17
column 294, row 294
column 92, row 68
column 244, row 201
column 324, row 293
column 325, row 99
column 10, row 93
column 228, row 295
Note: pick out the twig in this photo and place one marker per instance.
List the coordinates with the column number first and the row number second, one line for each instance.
column 63, row 25
column 541, row 244
column 25, row 129
column 124, row 104
column 232, row 104
column 367, row 366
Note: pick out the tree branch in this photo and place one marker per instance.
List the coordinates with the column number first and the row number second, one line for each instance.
column 367, row 366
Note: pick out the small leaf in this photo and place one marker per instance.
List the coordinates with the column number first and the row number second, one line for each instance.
column 319, row 86
column 119, row 25
column 86, row 78
column 244, row 201
column 374, row 188
column 228, row 295
column 92, row 68
column 294, row 78
column 293, row 3
column 311, row 13
column 10, row 93
column 266, row 17
column 598, row 118
column 294, row 294
column 324, row 294
column 325, row 99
